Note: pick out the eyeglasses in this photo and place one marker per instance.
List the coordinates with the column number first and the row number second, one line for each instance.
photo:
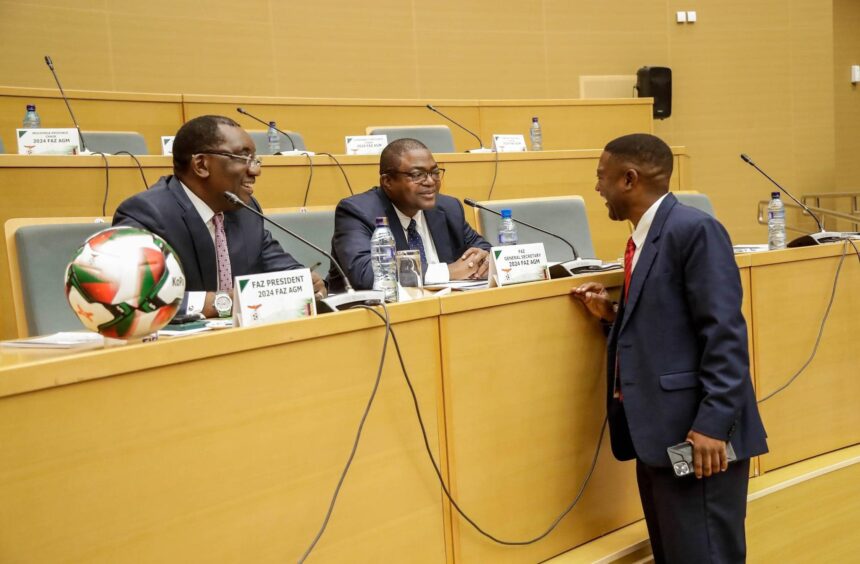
column 252, row 161
column 419, row 176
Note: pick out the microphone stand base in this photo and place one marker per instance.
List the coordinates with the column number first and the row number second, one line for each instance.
column 580, row 266
column 340, row 302
column 481, row 150
column 822, row 237
column 295, row 153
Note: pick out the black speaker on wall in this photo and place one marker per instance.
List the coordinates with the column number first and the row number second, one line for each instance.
column 656, row 82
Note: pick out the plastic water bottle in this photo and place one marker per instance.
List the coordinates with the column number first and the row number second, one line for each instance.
column 31, row 118
column 382, row 258
column 507, row 230
column 775, row 222
column 274, row 139
column 536, row 135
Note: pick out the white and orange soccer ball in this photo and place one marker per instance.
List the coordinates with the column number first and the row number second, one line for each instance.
column 125, row 283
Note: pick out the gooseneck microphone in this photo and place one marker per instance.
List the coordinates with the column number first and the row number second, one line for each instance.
column 342, row 301
column 50, row 64
column 469, row 131
column 806, row 240
column 284, row 133
column 576, row 266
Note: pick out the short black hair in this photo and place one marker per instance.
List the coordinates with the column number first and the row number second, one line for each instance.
column 643, row 149
column 197, row 135
column 390, row 158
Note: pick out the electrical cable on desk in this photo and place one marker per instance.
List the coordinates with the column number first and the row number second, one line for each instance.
column 342, row 171
column 460, row 511
column 139, row 167
column 310, row 177
column 107, row 181
column 495, row 174
column 823, row 321
column 340, row 481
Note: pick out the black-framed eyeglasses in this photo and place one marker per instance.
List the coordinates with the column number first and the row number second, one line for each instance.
column 419, row 176
column 252, row 161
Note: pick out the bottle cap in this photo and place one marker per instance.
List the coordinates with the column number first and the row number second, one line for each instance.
column 534, row 119
column 506, row 214
column 271, row 124
column 774, row 195
column 382, row 222
column 31, row 107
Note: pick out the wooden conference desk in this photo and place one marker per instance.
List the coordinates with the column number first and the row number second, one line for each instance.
column 46, row 186
column 227, row 446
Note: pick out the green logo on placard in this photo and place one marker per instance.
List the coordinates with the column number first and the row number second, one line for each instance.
column 242, row 284
column 498, row 253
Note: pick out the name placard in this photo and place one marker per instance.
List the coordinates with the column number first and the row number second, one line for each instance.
column 515, row 264
column 365, row 144
column 167, row 144
column 509, row 143
column 273, row 296
column 48, row 141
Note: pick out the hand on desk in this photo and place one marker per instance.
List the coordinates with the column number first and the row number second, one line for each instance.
column 473, row 265
column 319, row 286
column 596, row 300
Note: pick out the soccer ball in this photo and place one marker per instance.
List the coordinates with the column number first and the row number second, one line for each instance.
column 125, row 283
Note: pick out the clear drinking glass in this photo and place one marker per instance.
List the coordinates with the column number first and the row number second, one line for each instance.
column 410, row 278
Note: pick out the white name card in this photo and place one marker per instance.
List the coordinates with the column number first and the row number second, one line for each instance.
column 46, row 141
column 365, row 144
column 515, row 264
column 167, row 144
column 509, row 143
column 274, row 296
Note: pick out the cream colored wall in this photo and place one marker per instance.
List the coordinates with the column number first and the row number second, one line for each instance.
column 754, row 77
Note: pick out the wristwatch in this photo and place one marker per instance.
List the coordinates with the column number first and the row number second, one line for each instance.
column 223, row 304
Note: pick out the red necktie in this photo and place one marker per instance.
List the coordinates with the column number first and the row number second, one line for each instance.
column 628, row 265
column 225, row 272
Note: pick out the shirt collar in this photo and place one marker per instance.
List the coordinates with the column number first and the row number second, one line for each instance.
column 405, row 219
column 206, row 213
column 641, row 231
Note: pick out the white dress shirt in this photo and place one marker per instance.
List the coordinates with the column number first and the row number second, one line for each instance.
column 437, row 273
column 196, row 300
column 640, row 234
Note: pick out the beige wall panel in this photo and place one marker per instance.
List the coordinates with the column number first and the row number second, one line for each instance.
column 229, row 458
column 76, row 38
column 608, row 18
column 816, row 414
column 846, row 52
column 344, row 49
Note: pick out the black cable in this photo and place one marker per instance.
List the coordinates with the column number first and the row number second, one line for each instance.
column 107, row 181
column 358, row 434
column 139, row 167
column 310, row 177
column 557, row 520
column 821, row 328
column 495, row 173
column 342, row 171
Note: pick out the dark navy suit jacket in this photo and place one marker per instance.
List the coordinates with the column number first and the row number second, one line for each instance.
column 166, row 210
column 355, row 221
column 681, row 343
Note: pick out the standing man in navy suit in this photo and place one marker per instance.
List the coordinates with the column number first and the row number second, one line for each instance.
column 419, row 216
column 677, row 359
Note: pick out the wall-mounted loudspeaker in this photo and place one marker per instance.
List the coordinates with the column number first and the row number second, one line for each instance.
column 656, row 82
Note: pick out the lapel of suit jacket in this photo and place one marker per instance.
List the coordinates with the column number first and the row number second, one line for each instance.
column 437, row 224
column 646, row 257
column 394, row 224
column 199, row 234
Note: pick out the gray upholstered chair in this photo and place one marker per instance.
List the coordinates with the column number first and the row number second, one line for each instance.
column 316, row 224
column 438, row 138
column 1, row 147
column 695, row 200
column 563, row 215
column 38, row 255
column 111, row 142
column 261, row 140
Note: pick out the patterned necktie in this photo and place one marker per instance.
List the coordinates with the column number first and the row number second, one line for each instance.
column 628, row 265
column 413, row 238
column 225, row 271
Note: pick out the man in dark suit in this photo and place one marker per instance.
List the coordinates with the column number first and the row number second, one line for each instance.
column 677, row 363
column 419, row 216
column 211, row 155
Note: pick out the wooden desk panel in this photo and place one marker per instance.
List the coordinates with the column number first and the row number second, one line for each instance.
column 818, row 412
column 524, row 382
column 204, row 456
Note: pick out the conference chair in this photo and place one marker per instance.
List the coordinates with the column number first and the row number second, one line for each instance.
column 316, row 224
column 562, row 215
column 39, row 249
column 1, row 147
column 438, row 138
column 110, row 142
column 261, row 140
column 695, row 200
